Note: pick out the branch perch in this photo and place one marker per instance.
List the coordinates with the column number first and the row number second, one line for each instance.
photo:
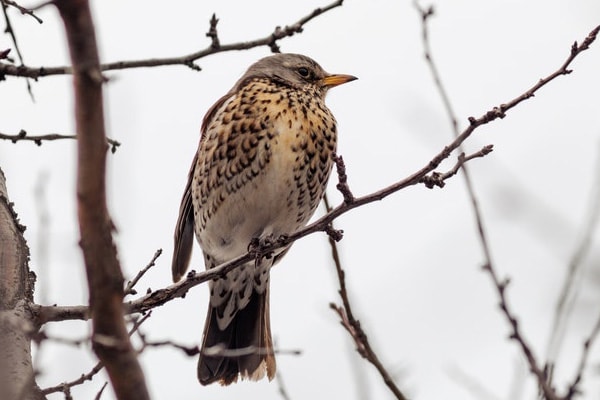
column 186, row 60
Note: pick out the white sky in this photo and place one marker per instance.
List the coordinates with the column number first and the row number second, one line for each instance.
column 412, row 260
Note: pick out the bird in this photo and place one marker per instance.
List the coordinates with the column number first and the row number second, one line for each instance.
column 261, row 168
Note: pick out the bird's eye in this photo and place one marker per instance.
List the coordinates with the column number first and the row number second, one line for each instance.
column 303, row 71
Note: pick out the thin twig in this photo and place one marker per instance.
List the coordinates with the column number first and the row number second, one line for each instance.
column 101, row 391
column 41, row 336
column 475, row 388
column 499, row 112
column 281, row 386
column 573, row 390
column 569, row 293
column 342, row 185
column 38, row 139
column 9, row 29
column 351, row 324
column 95, row 369
column 23, row 10
column 186, row 60
column 129, row 289
column 439, row 179
column 218, row 350
column 363, row 346
column 212, row 32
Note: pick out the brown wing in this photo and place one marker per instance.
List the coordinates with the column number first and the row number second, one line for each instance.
column 184, row 230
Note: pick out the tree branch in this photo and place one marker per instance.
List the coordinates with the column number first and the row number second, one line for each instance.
column 351, row 324
column 23, row 10
column 9, row 29
column 110, row 339
column 187, row 60
column 499, row 112
column 38, row 139
column 575, row 271
column 88, row 376
column 573, row 390
column 162, row 296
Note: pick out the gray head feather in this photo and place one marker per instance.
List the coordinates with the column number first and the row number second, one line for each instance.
column 293, row 70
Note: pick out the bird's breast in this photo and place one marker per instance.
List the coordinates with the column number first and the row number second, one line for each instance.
column 262, row 168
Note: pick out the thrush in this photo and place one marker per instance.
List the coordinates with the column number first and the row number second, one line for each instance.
column 261, row 168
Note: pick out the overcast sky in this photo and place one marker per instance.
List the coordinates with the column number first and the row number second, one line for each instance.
column 412, row 261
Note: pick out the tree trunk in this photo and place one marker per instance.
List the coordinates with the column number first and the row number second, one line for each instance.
column 17, row 378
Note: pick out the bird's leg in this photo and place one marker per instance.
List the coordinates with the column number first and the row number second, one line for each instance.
column 261, row 246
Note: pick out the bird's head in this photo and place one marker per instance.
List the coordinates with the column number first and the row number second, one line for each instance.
column 294, row 70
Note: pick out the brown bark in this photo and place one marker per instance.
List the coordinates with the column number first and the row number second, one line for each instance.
column 105, row 280
column 16, row 293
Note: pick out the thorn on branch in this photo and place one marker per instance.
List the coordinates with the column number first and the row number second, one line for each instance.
column 212, row 33
column 4, row 54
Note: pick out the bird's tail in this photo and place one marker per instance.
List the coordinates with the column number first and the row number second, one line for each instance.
column 244, row 348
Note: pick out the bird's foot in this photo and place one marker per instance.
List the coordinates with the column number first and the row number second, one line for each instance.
column 261, row 247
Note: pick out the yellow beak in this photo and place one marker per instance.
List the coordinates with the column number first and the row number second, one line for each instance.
column 334, row 80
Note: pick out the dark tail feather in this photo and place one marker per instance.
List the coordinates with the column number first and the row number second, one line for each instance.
column 250, row 328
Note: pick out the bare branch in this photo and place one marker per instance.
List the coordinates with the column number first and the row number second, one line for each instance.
column 281, row 387
column 38, row 139
column 101, row 391
column 79, row 381
column 351, row 324
column 218, row 350
column 342, row 185
column 572, row 391
column 9, row 29
column 40, row 336
column 66, row 386
column 475, row 388
column 517, row 336
column 438, row 179
column 574, row 277
column 129, row 289
column 186, row 60
column 110, row 340
column 162, row 296
column 23, row 10
column 212, row 32
column 499, row 112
